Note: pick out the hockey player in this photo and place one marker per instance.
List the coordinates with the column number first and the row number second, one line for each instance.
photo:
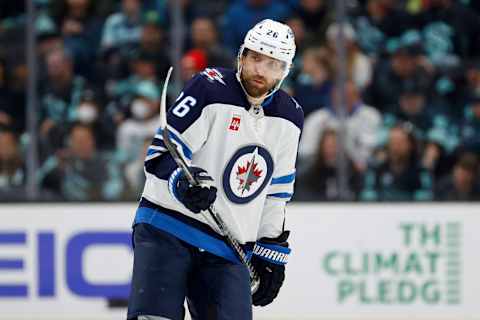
column 239, row 133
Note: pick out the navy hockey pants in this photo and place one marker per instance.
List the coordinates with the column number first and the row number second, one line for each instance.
column 167, row 270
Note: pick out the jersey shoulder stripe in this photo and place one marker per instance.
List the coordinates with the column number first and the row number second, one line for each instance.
column 283, row 179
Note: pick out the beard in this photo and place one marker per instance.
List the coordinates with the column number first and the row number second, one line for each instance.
column 256, row 86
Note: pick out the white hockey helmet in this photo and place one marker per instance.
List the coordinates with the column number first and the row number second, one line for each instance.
column 273, row 39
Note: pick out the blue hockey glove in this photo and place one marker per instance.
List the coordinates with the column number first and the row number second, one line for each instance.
column 194, row 198
column 269, row 258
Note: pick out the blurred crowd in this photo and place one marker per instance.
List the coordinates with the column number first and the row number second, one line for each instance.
column 411, row 99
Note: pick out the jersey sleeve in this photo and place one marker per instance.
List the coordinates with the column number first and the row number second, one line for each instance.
column 188, row 128
column 280, row 190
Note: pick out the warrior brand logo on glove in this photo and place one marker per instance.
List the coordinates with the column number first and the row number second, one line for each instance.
column 269, row 258
column 273, row 253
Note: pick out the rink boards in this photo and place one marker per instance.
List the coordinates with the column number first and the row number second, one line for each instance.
column 355, row 261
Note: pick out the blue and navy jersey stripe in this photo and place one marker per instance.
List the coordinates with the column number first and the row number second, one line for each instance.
column 187, row 229
column 280, row 187
column 158, row 161
column 158, row 140
column 282, row 195
column 289, row 178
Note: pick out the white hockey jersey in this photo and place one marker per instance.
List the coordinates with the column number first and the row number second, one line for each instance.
column 249, row 153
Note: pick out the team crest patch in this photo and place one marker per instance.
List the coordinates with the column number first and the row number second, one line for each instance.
column 247, row 173
column 213, row 74
column 235, row 123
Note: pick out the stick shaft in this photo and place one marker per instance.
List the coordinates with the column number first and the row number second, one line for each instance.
column 181, row 162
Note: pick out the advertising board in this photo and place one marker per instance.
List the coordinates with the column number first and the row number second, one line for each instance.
column 353, row 261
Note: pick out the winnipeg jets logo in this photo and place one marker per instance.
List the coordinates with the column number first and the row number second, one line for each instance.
column 213, row 74
column 247, row 173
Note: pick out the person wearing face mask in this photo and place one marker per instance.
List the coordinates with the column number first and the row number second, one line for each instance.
column 89, row 112
column 143, row 121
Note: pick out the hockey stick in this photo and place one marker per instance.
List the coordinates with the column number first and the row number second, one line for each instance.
column 180, row 161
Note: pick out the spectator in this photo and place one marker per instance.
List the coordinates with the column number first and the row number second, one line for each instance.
column 316, row 17
column 12, row 169
column 319, row 181
column 60, row 98
column 152, row 49
column 123, row 28
column 472, row 75
column 208, row 8
column 153, row 43
column 49, row 37
column 463, row 86
column 90, row 112
column 81, row 172
column 13, row 109
column 192, row 62
column 303, row 39
column 390, row 74
column 81, row 31
column 13, row 74
column 6, row 109
column 376, row 22
column 204, row 37
column 451, row 32
column 142, row 66
column 423, row 56
column 470, row 128
column 359, row 66
column 411, row 107
column 398, row 177
column 135, row 173
column 143, row 69
column 244, row 14
column 362, row 125
column 312, row 87
column 429, row 122
column 462, row 184
column 132, row 132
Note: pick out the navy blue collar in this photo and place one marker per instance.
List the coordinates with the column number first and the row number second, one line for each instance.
column 267, row 101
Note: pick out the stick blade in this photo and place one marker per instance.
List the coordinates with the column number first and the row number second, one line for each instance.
column 163, row 101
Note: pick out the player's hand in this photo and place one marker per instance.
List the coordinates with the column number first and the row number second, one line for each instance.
column 270, row 267
column 195, row 198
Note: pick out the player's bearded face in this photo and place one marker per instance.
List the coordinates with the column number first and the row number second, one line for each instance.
column 260, row 73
